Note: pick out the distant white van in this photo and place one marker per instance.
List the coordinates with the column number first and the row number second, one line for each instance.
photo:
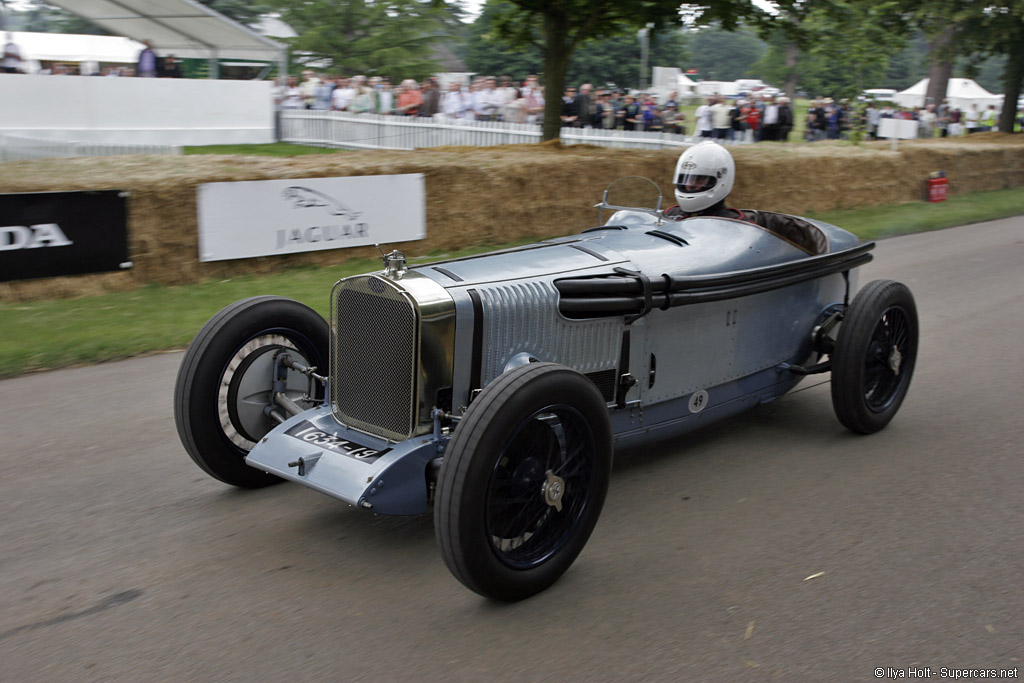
column 880, row 93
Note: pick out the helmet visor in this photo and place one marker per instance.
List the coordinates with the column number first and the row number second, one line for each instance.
column 690, row 183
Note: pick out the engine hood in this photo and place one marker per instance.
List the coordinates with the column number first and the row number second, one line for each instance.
column 696, row 246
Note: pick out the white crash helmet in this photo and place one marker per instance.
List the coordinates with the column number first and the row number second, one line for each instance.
column 704, row 176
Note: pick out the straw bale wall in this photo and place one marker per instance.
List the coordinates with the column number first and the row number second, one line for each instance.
column 490, row 195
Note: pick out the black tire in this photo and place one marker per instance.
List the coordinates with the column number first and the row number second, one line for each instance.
column 231, row 355
column 873, row 361
column 523, row 481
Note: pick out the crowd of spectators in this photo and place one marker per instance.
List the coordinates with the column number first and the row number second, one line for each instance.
column 754, row 118
column 487, row 98
column 943, row 120
column 751, row 118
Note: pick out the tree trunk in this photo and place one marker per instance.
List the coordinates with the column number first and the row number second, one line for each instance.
column 1013, row 78
column 792, row 77
column 940, row 66
column 556, row 65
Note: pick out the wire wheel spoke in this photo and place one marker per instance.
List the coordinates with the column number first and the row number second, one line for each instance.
column 885, row 355
column 524, row 525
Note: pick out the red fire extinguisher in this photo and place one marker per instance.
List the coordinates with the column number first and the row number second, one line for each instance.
column 936, row 187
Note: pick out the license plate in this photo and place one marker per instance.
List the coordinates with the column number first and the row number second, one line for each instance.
column 307, row 432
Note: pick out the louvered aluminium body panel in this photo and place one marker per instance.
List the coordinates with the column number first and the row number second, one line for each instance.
column 522, row 318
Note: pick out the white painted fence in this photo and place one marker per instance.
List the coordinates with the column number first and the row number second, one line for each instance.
column 373, row 131
column 14, row 147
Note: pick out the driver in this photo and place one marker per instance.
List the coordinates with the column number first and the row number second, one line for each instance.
column 703, row 179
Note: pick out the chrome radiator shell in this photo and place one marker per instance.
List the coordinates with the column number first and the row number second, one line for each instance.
column 392, row 352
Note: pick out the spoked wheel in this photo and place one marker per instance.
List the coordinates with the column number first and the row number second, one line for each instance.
column 874, row 357
column 226, row 381
column 523, row 481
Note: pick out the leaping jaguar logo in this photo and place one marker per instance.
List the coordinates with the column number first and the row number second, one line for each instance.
column 307, row 198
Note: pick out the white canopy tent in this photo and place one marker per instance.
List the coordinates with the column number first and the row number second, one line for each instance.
column 71, row 47
column 961, row 93
column 183, row 28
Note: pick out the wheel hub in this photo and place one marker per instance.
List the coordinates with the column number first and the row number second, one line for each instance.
column 553, row 489
column 895, row 360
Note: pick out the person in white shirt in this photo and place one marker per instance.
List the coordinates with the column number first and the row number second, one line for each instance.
column 489, row 101
column 509, row 94
column 11, row 63
column 343, row 95
column 703, row 116
column 308, row 86
column 926, row 120
column 533, row 93
column 471, row 98
column 971, row 117
column 292, row 95
column 385, row 98
column 770, row 120
column 721, row 119
column 454, row 104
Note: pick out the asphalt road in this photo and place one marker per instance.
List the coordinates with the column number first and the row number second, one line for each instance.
column 121, row 561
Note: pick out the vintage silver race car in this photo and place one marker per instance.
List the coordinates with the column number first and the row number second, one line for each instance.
column 496, row 388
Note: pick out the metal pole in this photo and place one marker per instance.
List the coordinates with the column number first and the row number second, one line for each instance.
column 645, row 46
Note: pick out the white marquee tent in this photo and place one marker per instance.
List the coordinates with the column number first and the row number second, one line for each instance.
column 183, row 28
column 961, row 93
column 70, row 47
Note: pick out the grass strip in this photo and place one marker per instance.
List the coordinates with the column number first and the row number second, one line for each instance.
column 59, row 333
column 874, row 222
column 43, row 335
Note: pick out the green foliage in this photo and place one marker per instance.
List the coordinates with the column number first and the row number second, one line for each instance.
column 39, row 17
column 844, row 47
column 386, row 37
column 907, row 66
column 720, row 55
column 566, row 24
column 242, row 11
column 614, row 59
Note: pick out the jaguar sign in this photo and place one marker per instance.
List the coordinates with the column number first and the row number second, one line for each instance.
column 271, row 217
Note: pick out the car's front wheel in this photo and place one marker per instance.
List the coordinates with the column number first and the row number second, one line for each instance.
column 523, row 481
column 225, row 383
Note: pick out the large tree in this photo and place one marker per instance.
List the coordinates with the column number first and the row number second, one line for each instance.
column 998, row 29
column 564, row 25
column 833, row 47
column 610, row 60
column 720, row 55
column 962, row 28
column 383, row 37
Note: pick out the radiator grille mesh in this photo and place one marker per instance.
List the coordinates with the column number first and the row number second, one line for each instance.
column 373, row 359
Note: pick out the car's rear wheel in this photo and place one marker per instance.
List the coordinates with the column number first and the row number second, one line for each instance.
column 523, row 481
column 874, row 356
column 226, row 381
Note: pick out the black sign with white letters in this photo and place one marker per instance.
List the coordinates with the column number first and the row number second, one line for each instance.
column 46, row 234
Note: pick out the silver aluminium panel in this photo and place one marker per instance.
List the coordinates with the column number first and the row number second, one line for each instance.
column 522, row 317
